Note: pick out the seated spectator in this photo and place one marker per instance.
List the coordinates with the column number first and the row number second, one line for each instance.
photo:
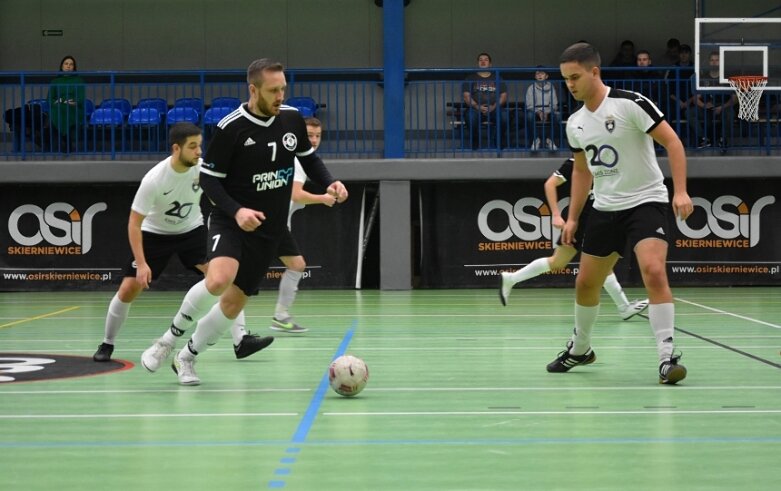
column 672, row 52
column 677, row 80
column 542, row 111
column 711, row 112
column 624, row 58
column 482, row 101
column 646, row 80
column 66, row 107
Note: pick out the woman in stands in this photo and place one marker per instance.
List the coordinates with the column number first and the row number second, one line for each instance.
column 66, row 107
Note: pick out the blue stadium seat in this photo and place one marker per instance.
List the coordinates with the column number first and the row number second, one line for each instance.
column 144, row 116
column 44, row 103
column 305, row 105
column 213, row 115
column 231, row 102
column 154, row 102
column 106, row 116
column 180, row 114
column 191, row 102
column 122, row 104
column 89, row 107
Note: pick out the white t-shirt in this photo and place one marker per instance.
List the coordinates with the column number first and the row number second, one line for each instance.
column 170, row 200
column 298, row 176
column 619, row 151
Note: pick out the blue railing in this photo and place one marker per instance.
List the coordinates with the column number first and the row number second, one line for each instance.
column 125, row 115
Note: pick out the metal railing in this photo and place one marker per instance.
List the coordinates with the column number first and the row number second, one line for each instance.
column 350, row 105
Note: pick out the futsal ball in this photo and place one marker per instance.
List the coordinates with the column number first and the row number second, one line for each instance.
column 348, row 375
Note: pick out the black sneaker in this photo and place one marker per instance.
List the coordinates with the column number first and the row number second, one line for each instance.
column 104, row 352
column 251, row 344
column 670, row 372
column 565, row 361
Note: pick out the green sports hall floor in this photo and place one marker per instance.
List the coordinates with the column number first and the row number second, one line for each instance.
column 458, row 398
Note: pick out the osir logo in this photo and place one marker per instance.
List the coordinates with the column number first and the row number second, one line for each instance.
column 740, row 220
column 515, row 220
column 60, row 224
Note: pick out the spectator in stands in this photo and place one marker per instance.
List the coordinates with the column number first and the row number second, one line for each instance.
column 677, row 80
column 626, row 58
column 672, row 52
column 711, row 111
column 646, row 80
column 542, row 111
column 483, row 97
column 66, row 106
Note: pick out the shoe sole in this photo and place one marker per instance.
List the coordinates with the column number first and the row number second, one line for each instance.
column 676, row 374
column 101, row 359
column 588, row 361
column 284, row 329
column 190, row 383
column 638, row 312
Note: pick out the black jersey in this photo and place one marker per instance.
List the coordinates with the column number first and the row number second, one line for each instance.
column 253, row 158
column 565, row 174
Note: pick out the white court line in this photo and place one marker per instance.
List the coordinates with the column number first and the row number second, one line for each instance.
column 148, row 415
column 559, row 413
column 402, row 389
column 143, row 391
column 724, row 312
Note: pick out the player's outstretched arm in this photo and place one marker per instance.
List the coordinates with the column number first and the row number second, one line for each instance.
column 664, row 135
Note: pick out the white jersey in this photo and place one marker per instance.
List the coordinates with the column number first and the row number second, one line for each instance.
column 619, row 151
column 298, row 176
column 170, row 200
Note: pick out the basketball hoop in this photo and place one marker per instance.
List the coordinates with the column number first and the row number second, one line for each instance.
column 749, row 91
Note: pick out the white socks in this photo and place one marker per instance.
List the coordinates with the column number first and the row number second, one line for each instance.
column 196, row 303
column 238, row 328
column 662, row 319
column 585, row 317
column 613, row 288
column 115, row 317
column 288, row 287
column 211, row 326
column 535, row 268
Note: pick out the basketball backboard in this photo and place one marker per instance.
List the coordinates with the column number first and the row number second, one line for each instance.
column 746, row 46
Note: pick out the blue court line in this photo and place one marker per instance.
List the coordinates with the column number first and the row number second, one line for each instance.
column 317, row 399
column 308, row 419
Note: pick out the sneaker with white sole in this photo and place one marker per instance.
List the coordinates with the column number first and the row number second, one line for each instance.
column 536, row 145
column 565, row 360
column 506, row 285
column 185, row 370
column 286, row 325
column 154, row 356
column 671, row 372
column 633, row 308
column 550, row 145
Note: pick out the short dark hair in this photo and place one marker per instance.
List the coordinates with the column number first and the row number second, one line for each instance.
column 685, row 48
column 583, row 53
column 643, row 52
column 256, row 68
column 485, row 54
column 68, row 57
column 180, row 132
column 313, row 122
column 673, row 43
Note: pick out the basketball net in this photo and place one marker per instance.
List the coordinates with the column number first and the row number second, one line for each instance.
column 749, row 91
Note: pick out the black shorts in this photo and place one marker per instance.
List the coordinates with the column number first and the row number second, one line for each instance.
column 253, row 251
column 582, row 221
column 288, row 245
column 611, row 231
column 158, row 249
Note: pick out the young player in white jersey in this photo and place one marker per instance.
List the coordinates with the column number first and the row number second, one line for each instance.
column 166, row 220
column 289, row 254
column 247, row 174
column 564, row 253
column 612, row 136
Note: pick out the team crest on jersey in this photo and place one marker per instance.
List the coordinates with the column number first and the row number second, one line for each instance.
column 290, row 141
column 610, row 124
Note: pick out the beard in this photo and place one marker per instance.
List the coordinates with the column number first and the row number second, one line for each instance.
column 266, row 109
